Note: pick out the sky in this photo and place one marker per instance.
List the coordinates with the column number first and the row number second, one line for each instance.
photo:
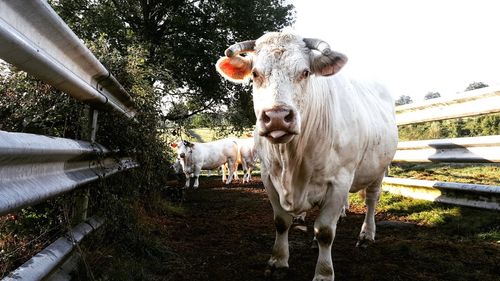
column 413, row 47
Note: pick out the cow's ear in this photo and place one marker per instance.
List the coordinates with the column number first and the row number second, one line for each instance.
column 327, row 64
column 174, row 145
column 236, row 69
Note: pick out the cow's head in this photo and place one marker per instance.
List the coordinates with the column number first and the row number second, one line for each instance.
column 185, row 155
column 280, row 65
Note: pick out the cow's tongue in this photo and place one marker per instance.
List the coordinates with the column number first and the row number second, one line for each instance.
column 277, row 134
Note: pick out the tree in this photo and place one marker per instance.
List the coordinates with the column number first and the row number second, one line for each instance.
column 183, row 39
column 476, row 85
column 432, row 95
column 403, row 99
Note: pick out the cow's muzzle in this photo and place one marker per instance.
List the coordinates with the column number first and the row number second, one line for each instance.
column 278, row 124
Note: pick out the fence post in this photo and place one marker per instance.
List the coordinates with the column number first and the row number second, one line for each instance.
column 82, row 199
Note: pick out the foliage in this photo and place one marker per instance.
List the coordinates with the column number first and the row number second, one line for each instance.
column 476, row 85
column 432, row 95
column 471, row 223
column 182, row 40
column 162, row 52
column 484, row 125
column 28, row 105
column 403, row 99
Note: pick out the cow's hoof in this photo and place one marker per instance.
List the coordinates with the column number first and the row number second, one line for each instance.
column 323, row 278
column 273, row 273
column 364, row 243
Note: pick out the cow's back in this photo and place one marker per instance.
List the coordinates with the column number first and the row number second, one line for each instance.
column 216, row 153
column 347, row 124
column 367, row 118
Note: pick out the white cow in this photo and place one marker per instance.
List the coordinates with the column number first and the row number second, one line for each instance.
column 318, row 135
column 247, row 157
column 194, row 157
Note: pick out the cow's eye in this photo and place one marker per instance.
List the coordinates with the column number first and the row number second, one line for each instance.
column 255, row 74
column 305, row 74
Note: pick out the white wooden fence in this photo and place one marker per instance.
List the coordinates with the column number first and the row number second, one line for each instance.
column 34, row 168
column 458, row 150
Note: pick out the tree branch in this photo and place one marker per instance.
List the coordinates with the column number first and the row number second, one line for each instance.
column 187, row 115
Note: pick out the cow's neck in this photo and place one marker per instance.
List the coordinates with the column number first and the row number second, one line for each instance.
column 299, row 171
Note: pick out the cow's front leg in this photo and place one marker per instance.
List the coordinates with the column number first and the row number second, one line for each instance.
column 197, row 171
column 188, row 180
column 277, row 265
column 325, row 227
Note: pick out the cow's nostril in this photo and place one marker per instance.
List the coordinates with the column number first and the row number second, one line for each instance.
column 290, row 117
column 266, row 118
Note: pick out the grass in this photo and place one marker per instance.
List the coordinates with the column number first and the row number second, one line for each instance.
column 473, row 223
column 451, row 220
column 488, row 174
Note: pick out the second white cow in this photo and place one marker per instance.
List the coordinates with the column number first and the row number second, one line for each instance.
column 194, row 157
column 247, row 157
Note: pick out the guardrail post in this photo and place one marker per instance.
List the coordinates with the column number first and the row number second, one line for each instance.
column 82, row 199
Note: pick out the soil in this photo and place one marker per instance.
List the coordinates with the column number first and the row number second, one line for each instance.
column 228, row 233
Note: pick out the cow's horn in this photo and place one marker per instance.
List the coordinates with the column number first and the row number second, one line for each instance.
column 316, row 44
column 240, row 47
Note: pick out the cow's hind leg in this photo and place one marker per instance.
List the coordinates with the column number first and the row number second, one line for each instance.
column 371, row 195
column 244, row 166
column 249, row 171
column 230, row 167
column 223, row 168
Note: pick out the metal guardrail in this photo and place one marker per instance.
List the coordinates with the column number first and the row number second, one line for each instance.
column 470, row 103
column 35, row 39
column 462, row 150
column 471, row 195
column 34, row 168
column 459, row 150
column 45, row 263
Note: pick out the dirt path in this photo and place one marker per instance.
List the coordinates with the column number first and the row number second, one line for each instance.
column 228, row 233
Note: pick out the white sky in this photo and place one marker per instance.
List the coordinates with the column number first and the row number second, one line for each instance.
column 414, row 47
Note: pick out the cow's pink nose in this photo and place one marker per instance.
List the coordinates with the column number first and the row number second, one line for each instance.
column 279, row 118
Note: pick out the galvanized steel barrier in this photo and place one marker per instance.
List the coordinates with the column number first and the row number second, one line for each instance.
column 35, row 39
column 34, row 168
column 458, row 150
